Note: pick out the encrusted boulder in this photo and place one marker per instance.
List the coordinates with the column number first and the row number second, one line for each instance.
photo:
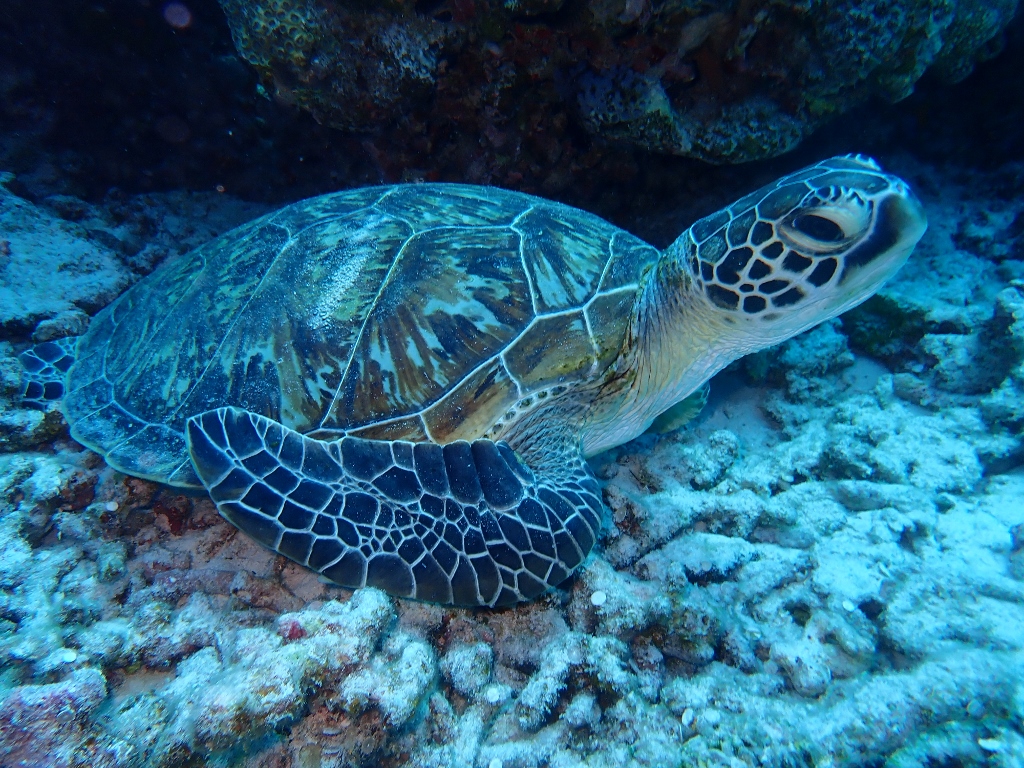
column 495, row 86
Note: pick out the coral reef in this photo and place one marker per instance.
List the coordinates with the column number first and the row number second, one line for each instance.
column 95, row 251
column 35, row 247
column 826, row 567
column 728, row 83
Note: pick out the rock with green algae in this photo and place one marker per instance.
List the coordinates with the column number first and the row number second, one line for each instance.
column 725, row 82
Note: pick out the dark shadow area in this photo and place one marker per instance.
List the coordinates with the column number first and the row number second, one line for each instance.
column 111, row 94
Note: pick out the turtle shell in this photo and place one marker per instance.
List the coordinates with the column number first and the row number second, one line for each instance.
column 418, row 312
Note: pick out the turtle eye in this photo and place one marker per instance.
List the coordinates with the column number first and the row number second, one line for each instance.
column 821, row 229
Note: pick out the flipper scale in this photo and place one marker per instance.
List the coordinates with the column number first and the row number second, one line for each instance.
column 499, row 517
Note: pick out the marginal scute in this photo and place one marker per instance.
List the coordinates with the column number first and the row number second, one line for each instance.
column 630, row 256
column 471, row 407
column 409, row 428
column 608, row 316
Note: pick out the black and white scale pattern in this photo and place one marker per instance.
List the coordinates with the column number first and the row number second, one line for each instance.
column 744, row 259
column 465, row 524
column 43, row 369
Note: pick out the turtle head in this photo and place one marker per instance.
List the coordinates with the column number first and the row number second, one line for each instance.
column 804, row 249
column 777, row 262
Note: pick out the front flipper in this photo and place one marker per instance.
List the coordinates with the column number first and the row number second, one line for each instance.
column 43, row 370
column 463, row 524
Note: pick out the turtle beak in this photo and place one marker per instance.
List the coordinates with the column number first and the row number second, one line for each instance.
column 899, row 224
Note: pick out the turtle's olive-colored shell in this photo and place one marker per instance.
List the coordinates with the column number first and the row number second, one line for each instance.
column 419, row 312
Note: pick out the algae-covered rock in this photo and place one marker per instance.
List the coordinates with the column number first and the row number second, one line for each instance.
column 724, row 82
column 36, row 246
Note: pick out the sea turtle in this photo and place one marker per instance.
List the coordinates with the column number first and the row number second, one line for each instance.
column 398, row 386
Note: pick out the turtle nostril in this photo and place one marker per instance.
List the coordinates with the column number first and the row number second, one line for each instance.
column 821, row 229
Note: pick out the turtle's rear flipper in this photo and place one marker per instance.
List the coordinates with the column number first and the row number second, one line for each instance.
column 464, row 524
column 44, row 366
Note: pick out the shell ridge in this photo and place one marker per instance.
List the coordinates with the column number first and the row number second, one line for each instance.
column 319, row 222
column 227, row 331
column 357, row 339
column 156, row 330
column 499, row 357
column 607, row 264
column 522, row 257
